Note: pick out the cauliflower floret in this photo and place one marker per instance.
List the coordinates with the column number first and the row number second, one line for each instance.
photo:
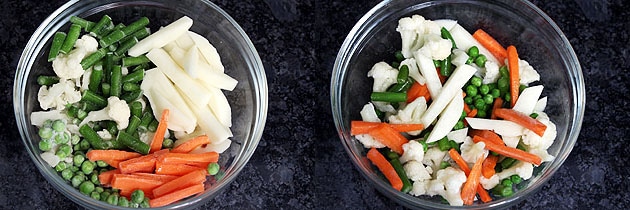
column 368, row 114
column 459, row 57
column 527, row 73
column 50, row 158
column 448, row 183
column 68, row 66
column 368, row 141
column 413, row 151
column 436, row 47
column 414, row 72
column 85, row 80
column 538, row 145
column 472, row 151
column 384, row 76
column 490, row 72
column 416, row 171
column 410, row 113
column 420, row 187
column 104, row 134
column 412, row 29
column 116, row 110
column 38, row 118
column 523, row 169
column 490, row 183
column 58, row 95
column 433, row 157
column 459, row 135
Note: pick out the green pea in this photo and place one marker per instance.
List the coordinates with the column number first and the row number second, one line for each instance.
column 84, row 144
column 45, row 145
column 399, row 57
column 508, row 97
column 101, row 164
column 112, row 199
column 145, row 203
column 468, row 99
column 47, row 124
column 45, row 133
column 61, row 166
column 476, row 81
column 62, row 138
column 521, row 88
column 506, row 182
column 213, row 169
column 75, row 139
column 459, row 125
column 78, row 159
column 481, row 60
column 471, row 91
column 99, row 189
column 484, row 89
column 481, row 113
column 94, row 178
column 77, row 180
column 86, row 187
column 454, row 144
column 66, row 174
column 123, row 202
column 104, row 195
column 516, row 179
column 473, row 51
column 495, row 93
column 87, row 167
column 58, row 125
column 504, row 72
column 95, row 195
column 63, row 151
column 488, row 99
column 443, row 144
column 137, row 196
column 480, row 103
column 503, row 83
column 74, row 168
column 167, row 143
column 444, row 165
column 533, row 115
column 470, row 60
column 425, row 147
column 463, row 115
column 395, row 64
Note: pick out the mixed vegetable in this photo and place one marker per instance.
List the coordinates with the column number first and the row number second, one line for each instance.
column 134, row 118
column 454, row 114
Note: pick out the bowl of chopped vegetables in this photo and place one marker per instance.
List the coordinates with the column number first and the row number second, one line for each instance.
column 140, row 103
column 457, row 104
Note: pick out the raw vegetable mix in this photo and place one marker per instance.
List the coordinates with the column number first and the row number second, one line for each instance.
column 134, row 118
column 455, row 115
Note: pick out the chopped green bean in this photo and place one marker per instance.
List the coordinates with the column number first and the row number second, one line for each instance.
column 135, row 26
column 125, row 46
column 116, row 81
column 98, row 100
column 398, row 167
column 447, row 35
column 399, row 56
column 91, row 59
column 445, row 67
column 56, row 45
column 139, row 34
column 103, row 23
column 92, row 137
column 135, row 108
column 132, row 61
column 85, row 24
column 112, row 38
column 403, row 74
column 133, row 142
column 388, row 97
column 134, row 122
column 95, row 79
column 443, row 144
column 71, row 38
column 47, row 80
column 153, row 125
column 134, row 77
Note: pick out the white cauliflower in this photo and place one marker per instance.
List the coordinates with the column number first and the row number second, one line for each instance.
column 420, row 187
column 490, row 183
column 520, row 168
column 412, row 29
column 85, row 80
column 368, row 141
column 490, row 72
column 538, row 145
column 448, row 183
column 68, row 66
column 511, row 141
column 384, row 76
column 58, row 95
column 459, row 135
column 436, row 47
column 50, row 158
column 410, row 113
column 368, row 114
column 116, row 110
column 472, row 151
column 413, row 150
column 433, row 157
column 416, row 171
column 38, row 118
column 527, row 73
column 104, row 134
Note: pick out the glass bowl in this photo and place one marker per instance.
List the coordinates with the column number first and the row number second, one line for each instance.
column 248, row 100
column 539, row 40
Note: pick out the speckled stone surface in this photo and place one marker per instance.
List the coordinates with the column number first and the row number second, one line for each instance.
column 300, row 163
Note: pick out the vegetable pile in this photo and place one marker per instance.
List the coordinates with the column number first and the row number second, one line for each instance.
column 454, row 114
column 134, row 118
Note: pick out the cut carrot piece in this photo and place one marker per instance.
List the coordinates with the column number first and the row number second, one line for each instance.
column 512, row 56
column 467, row 109
column 416, row 91
column 94, row 155
column 498, row 103
column 483, row 194
column 158, row 137
column 385, row 167
column 112, row 163
column 362, row 127
column 487, row 134
column 176, row 195
column 472, row 182
column 141, row 164
column 105, row 178
column 191, row 144
column 158, row 177
column 487, row 168
column 472, row 113
column 389, row 137
column 176, row 169
column 442, row 77
column 184, row 158
column 407, row 127
column 491, row 45
column 509, row 151
column 130, row 182
column 519, row 118
column 192, row 178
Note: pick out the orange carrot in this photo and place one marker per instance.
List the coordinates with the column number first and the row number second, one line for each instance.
column 184, row 158
column 467, row 109
column 416, row 91
column 130, row 182
column 487, row 134
column 514, row 74
column 362, row 127
column 175, row 169
column 158, row 137
column 442, row 77
column 94, row 155
column 112, row 163
column 191, row 144
column 487, row 168
column 389, row 137
column 192, row 178
column 522, row 119
column 472, row 113
column 144, row 163
column 509, row 151
column 105, row 178
column 498, row 103
column 159, row 177
column 491, row 44
column 176, row 195
column 483, row 194
column 385, row 167
column 472, row 182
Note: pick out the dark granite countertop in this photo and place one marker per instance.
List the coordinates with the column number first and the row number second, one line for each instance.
column 300, row 163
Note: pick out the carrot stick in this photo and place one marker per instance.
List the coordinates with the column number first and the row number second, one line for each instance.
column 472, row 113
column 498, row 103
column 184, row 158
column 158, row 137
column 487, row 134
column 159, row 177
column 134, row 182
column 192, row 178
column 94, row 155
column 514, row 74
column 362, row 127
column 491, row 44
column 144, row 163
column 472, row 182
column 442, row 77
column 483, row 194
column 385, row 167
column 389, row 137
column 487, row 168
column 105, row 178
column 112, row 163
column 509, row 151
column 175, row 169
column 416, row 91
column 522, row 119
column 176, row 195
column 191, row 144
column 467, row 109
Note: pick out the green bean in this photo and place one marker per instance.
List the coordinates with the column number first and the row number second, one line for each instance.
column 71, row 38
column 132, row 61
column 395, row 64
column 95, row 79
column 454, row 144
column 521, row 88
column 135, row 107
column 92, row 97
column 534, row 115
column 125, row 46
column 97, row 29
column 507, row 163
column 133, row 142
column 85, row 24
column 403, row 74
column 111, row 38
column 399, row 56
column 388, row 97
column 91, row 59
column 131, row 96
column 146, row 119
column 447, row 35
column 47, row 80
column 398, row 167
column 106, row 88
column 134, row 122
column 445, row 67
column 153, row 125
column 135, row 26
column 116, row 81
column 134, row 77
column 139, row 34
column 425, row 147
column 56, row 45
column 92, row 137
column 401, row 87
